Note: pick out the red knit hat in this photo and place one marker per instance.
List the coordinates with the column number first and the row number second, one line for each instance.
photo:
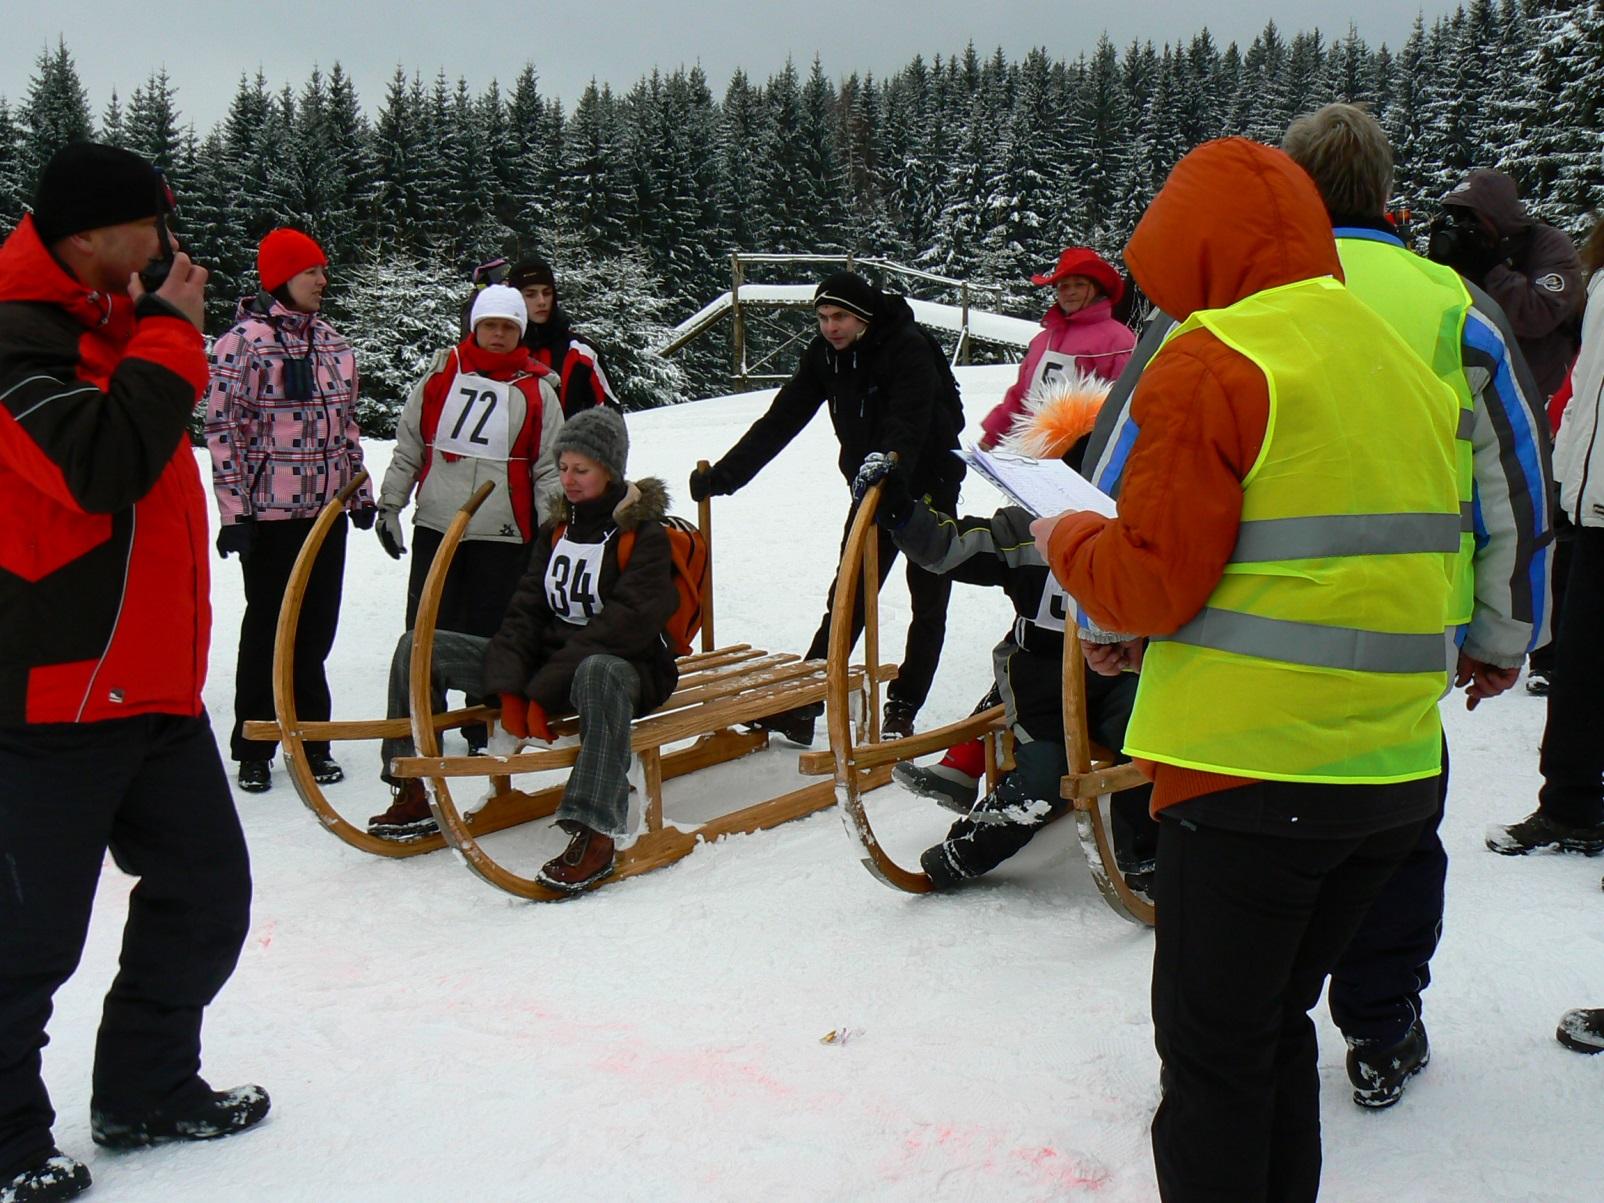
column 1083, row 261
column 285, row 253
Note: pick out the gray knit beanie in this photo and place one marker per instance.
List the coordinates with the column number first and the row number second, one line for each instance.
column 599, row 433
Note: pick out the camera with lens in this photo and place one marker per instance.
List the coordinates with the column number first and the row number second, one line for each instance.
column 1459, row 240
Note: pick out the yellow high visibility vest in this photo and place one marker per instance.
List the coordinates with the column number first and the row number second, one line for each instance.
column 1322, row 652
column 1425, row 303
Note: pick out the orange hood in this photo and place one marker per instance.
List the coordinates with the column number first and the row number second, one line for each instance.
column 1234, row 218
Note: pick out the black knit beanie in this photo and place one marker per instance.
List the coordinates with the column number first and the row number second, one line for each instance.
column 848, row 291
column 86, row 185
column 599, row 433
column 533, row 271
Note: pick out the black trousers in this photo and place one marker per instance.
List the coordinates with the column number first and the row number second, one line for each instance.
column 483, row 578
column 927, row 628
column 1248, row 927
column 267, row 572
column 1377, row 982
column 152, row 789
column 1573, row 741
column 1544, row 659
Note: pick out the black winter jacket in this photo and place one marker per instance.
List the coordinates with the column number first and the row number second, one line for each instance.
column 582, row 380
column 890, row 391
column 535, row 654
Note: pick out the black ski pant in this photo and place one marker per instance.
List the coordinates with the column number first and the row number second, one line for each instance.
column 1544, row 659
column 479, row 588
column 1572, row 760
column 267, row 573
column 927, row 627
column 152, row 789
column 1248, row 927
column 1377, row 982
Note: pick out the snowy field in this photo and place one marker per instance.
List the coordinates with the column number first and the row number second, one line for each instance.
column 425, row 1037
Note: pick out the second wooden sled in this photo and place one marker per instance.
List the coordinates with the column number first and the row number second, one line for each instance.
column 1093, row 776
column 719, row 689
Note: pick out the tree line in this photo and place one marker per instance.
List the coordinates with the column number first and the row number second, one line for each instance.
column 974, row 166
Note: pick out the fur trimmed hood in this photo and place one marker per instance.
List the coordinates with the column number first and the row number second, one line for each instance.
column 644, row 500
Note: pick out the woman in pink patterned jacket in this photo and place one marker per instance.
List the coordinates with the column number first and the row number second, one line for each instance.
column 1081, row 333
column 281, row 425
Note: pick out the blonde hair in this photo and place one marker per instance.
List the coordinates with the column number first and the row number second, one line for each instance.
column 1345, row 151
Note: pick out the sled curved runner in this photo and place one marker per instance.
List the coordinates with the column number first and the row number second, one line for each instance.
column 1093, row 775
column 718, row 689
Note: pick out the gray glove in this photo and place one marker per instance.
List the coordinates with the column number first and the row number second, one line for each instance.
column 388, row 528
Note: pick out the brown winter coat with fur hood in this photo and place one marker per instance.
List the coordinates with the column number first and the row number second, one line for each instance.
column 535, row 654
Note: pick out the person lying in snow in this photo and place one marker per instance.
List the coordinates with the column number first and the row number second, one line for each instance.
column 583, row 634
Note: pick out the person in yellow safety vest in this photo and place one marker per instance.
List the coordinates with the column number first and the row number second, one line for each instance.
column 1500, row 600
column 1287, row 536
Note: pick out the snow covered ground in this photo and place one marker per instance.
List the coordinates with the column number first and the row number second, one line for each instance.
column 427, row 1038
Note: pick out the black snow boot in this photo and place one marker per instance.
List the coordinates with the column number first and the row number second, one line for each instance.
column 795, row 724
column 1582, row 1030
column 1378, row 1072
column 213, row 1114
column 51, row 1175
column 1539, row 833
column 255, row 777
column 325, row 770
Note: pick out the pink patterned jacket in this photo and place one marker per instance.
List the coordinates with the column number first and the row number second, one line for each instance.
column 274, row 457
column 1100, row 344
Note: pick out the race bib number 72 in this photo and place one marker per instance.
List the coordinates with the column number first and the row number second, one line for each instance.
column 476, row 419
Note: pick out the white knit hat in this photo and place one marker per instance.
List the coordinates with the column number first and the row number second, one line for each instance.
column 497, row 300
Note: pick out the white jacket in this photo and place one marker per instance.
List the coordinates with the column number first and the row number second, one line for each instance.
column 1579, row 446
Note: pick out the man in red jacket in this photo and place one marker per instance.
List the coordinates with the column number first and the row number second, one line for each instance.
column 104, row 628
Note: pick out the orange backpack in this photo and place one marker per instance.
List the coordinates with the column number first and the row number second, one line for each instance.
column 688, row 548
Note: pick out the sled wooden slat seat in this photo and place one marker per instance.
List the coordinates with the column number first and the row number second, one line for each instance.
column 1093, row 774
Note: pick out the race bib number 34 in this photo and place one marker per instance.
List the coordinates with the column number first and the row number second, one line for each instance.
column 476, row 419
column 572, row 576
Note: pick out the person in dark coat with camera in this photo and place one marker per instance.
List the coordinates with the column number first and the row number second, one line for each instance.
column 104, row 739
column 889, row 392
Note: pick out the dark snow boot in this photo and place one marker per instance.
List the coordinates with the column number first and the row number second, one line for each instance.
column 409, row 817
column 896, row 721
column 588, row 858
column 952, row 788
column 1582, row 1031
column 325, row 770
column 49, row 1176
column 1539, row 833
column 1378, row 1072
column 255, row 777
column 213, row 1114
column 795, row 724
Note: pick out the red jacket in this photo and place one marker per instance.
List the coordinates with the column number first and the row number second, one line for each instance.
column 1100, row 343
column 104, row 608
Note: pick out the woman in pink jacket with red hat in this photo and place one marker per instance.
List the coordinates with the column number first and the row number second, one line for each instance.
column 1080, row 333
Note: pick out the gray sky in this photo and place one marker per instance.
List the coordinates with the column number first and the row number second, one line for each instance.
column 205, row 46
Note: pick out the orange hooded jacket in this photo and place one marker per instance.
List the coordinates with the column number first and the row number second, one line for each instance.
column 1234, row 218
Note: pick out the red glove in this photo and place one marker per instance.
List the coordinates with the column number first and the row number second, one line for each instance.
column 513, row 709
column 539, row 726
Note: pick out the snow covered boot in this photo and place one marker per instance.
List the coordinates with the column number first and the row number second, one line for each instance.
column 255, row 777
column 49, row 1176
column 1539, row 833
column 952, row 788
column 795, row 724
column 325, row 770
column 409, row 816
column 212, row 1114
column 1378, row 1072
column 1582, row 1030
column 896, row 721
column 588, row 858
column 1537, row 682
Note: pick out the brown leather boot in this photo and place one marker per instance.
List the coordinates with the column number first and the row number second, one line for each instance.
column 409, row 817
column 588, row 858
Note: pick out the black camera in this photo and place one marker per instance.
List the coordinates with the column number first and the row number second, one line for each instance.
column 1459, row 240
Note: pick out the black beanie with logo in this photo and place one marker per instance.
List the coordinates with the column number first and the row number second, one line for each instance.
column 848, row 291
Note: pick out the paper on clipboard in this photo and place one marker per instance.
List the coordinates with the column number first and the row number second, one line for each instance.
column 1042, row 486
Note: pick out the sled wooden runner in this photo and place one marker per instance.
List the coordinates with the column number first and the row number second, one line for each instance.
column 719, row 688
column 1093, row 775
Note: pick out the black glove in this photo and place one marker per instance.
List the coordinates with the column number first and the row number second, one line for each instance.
column 876, row 466
column 390, row 536
column 363, row 518
column 237, row 537
column 710, row 482
column 896, row 502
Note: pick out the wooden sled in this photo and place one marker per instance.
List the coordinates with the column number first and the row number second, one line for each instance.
column 1093, row 775
column 719, row 689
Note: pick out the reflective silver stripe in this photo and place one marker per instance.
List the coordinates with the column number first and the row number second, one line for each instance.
column 1269, row 539
column 1467, row 516
column 1308, row 643
column 1467, row 425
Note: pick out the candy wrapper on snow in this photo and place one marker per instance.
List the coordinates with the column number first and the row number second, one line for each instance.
column 1056, row 417
column 840, row 1035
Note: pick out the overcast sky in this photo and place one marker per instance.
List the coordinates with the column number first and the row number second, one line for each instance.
column 206, row 46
